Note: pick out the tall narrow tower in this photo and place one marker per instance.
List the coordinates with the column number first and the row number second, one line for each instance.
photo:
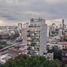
column 20, row 29
column 63, row 26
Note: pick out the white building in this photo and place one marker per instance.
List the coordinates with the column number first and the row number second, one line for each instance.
column 43, row 37
column 37, row 36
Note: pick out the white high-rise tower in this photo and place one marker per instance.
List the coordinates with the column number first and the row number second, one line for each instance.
column 37, row 36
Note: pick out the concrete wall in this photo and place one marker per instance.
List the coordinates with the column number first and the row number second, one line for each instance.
column 43, row 37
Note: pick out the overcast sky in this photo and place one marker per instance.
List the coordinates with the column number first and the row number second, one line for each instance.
column 23, row 10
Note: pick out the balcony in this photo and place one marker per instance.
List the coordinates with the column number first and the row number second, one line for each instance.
column 29, row 39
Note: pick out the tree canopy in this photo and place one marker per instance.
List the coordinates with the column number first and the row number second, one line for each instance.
column 31, row 61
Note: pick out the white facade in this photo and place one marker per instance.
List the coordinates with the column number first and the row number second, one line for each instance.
column 43, row 37
column 38, row 30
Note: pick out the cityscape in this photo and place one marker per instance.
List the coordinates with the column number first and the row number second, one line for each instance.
column 36, row 38
column 33, row 33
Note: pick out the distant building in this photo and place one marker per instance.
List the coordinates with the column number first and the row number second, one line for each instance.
column 20, row 29
column 24, row 33
column 56, row 27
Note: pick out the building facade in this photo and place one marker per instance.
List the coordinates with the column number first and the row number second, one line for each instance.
column 64, row 55
column 37, row 37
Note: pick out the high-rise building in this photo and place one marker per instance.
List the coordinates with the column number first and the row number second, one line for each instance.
column 20, row 29
column 37, row 37
column 24, row 32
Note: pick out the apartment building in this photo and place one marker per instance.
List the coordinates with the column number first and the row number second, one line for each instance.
column 37, row 37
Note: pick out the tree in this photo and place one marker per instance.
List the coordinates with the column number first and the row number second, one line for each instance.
column 31, row 61
column 57, row 52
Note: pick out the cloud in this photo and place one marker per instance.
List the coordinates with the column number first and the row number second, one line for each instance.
column 22, row 10
column 53, row 2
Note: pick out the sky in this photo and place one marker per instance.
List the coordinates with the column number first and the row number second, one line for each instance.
column 13, row 11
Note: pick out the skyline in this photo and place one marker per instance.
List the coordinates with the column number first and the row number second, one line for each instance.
column 49, row 22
